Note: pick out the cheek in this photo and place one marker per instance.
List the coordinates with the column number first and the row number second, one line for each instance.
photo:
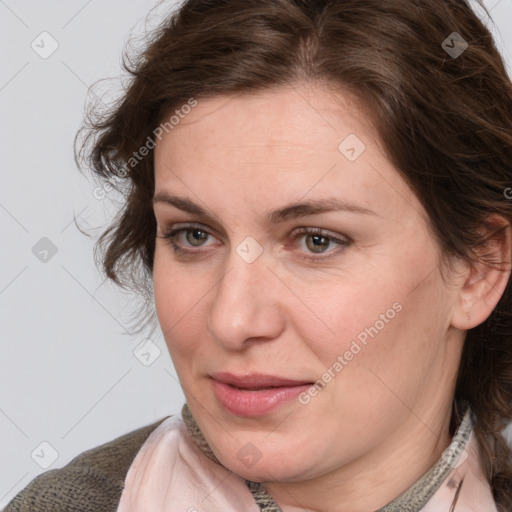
column 390, row 351
column 384, row 324
column 348, row 317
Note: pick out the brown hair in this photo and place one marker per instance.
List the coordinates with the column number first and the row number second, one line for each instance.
column 445, row 121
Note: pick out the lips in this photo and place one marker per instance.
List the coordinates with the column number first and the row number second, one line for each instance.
column 255, row 394
column 257, row 381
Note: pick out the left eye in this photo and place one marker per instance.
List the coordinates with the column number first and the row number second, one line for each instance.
column 317, row 241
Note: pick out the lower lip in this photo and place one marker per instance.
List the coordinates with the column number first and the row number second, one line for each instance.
column 255, row 403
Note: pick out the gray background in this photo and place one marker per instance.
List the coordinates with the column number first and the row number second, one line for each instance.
column 69, row 377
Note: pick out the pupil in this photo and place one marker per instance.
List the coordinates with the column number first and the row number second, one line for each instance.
column 194, row 239
column 319, row 241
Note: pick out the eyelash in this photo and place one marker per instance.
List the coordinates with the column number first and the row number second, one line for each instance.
column 169, row 237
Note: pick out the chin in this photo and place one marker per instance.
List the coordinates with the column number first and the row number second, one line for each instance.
column 274, row 467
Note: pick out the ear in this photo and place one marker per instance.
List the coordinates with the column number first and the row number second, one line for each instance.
column 484, row 284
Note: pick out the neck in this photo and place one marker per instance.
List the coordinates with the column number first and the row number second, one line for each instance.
column 369, row 490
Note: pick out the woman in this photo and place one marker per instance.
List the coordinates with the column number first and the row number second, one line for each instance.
column 318, row 192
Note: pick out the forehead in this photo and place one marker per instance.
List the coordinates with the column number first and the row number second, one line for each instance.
column 286, row 143
column 300, row 126
column 298, row 115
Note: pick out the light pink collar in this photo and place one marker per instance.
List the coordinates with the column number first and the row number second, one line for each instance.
column 170, row 473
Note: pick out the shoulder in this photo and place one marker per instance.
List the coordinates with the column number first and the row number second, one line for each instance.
column 92, row 481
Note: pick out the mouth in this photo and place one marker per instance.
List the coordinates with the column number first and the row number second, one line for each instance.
column 255, row 394
column 256, row 381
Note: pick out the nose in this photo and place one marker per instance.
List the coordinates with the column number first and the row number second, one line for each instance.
column 245, row 306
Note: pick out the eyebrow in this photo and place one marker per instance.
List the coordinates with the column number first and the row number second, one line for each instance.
column 291, row 211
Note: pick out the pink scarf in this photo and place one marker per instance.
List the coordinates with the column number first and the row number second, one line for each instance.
column 175, row 470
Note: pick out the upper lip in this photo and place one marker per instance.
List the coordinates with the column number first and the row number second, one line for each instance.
column 256, row 380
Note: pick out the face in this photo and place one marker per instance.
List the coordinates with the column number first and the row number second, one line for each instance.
column 311, row 338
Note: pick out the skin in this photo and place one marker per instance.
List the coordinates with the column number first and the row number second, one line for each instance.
column 383, row 420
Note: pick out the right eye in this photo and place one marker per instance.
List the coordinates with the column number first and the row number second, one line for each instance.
column 184, row 238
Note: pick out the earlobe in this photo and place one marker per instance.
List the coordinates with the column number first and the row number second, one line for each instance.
column 468, row 310
column 487, row 279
